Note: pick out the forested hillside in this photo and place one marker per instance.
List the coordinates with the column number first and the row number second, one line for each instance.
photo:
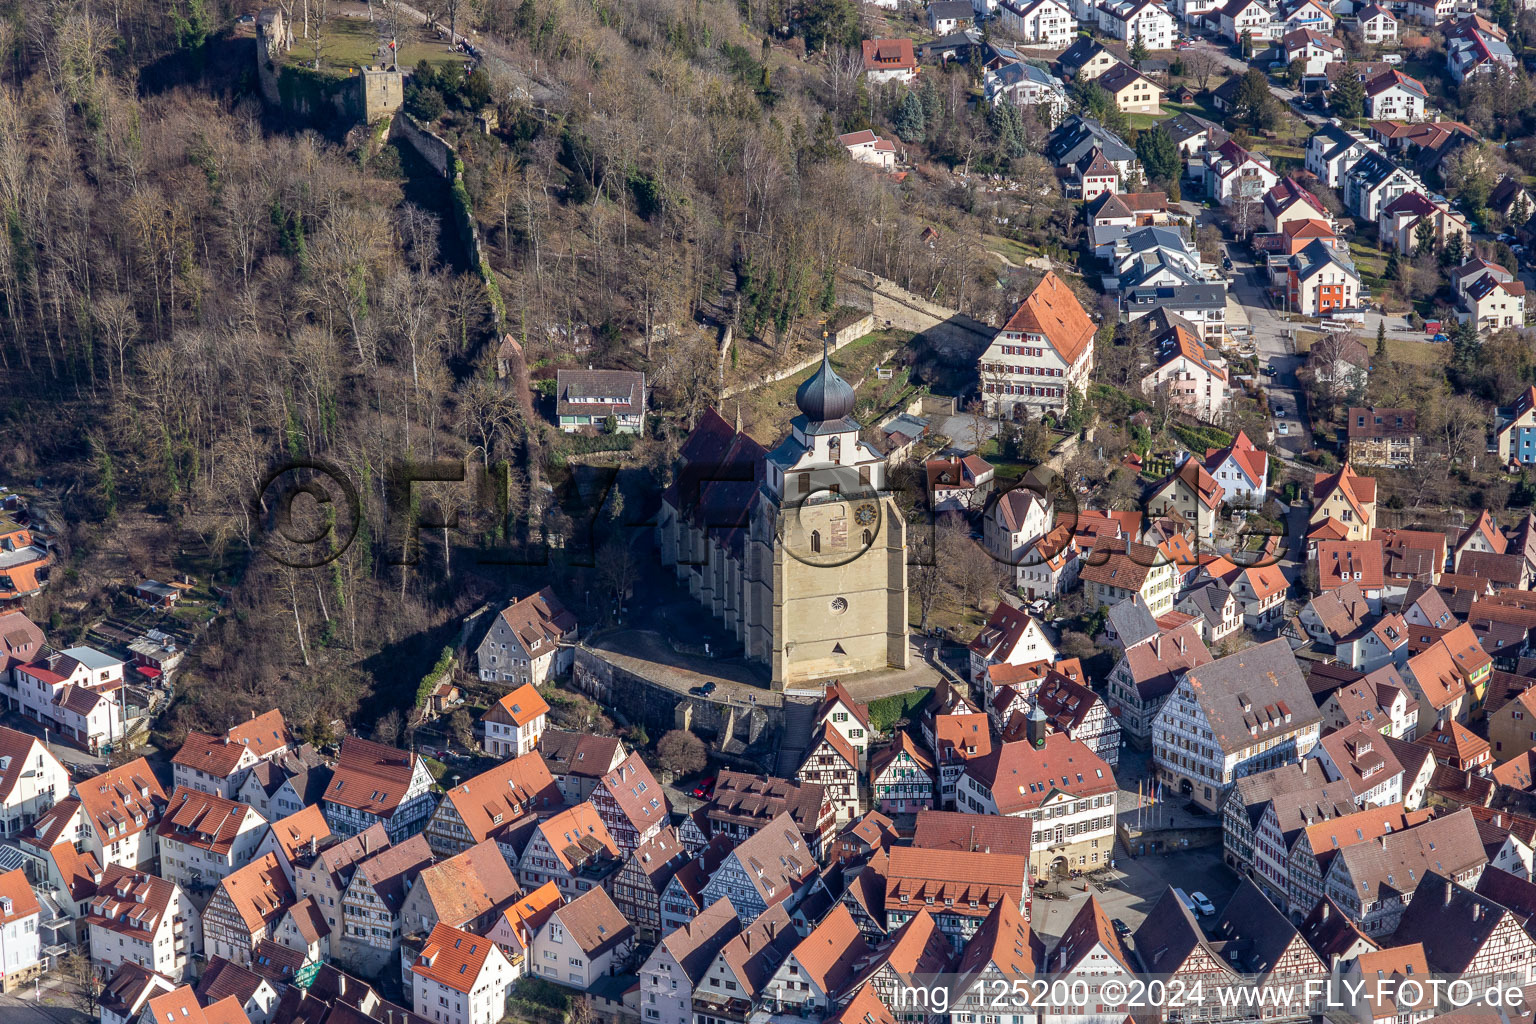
column 194, row 289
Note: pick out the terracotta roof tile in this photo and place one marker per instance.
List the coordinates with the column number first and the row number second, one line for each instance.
column 519, row 707
column 1021, row 777
column 122, row 801
column 453, row 958
column 469, row 885
column 259, row 891
column 492, row 802
column 593, row 922
column 1052, row 310
column 371, row 777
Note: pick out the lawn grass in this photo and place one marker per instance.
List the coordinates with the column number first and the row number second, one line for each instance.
column 352, row 42
column 766, row 410
column 1017, row 252
column 1399, row 349
column 1140, row 122
column 1370, row 261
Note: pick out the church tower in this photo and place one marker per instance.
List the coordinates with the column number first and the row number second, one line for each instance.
column 826, row 567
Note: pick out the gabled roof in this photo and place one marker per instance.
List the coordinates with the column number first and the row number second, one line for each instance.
column 576, row 834
column 203, row 820
column 694, row 945
column 1198, row 482
column 595, row 921
column 1054, row 312
column 493, row 801
column 639, row 796
column 1393, row 78
column 1350, row 561
column 888, row 53
column 838, row 694
column 1004, row 944
column 1120, row 563
column 1255, row 694
column 371, row 777
column 1122, row 76
column 1090, row 929
column 539, row 621
column 219, row 756
column 1006, row 627
column 1360, row 757
column 1398, row 862
column 1319, row 255
column 121, row 801
column 901, row 743
column 19, row 755
column 1359, row 491
column 1255, row 934
column 259, row 891
column 828, row 954
column 1155, row 666
column 579, row 754
column 1170, row 936
column 1451, row 921
column 1454, row 742
column 1331, row 933
column 1252, row 461
column 741, row 797
column 954, row 830
column 518, row 708
column 469, row 885
column 453, row 958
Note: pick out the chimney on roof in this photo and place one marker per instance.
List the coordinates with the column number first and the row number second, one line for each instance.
column 1324, row 916
column 365, row 840
column 1448, row 897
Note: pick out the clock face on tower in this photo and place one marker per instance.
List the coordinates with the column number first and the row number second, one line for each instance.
column 831, row 526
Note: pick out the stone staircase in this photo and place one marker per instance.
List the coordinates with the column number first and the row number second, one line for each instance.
column 795, row 737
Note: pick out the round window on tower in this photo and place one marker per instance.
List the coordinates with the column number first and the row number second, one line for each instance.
column 839, row 605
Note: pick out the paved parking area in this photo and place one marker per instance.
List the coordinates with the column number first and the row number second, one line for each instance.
column 1134, row 884
column 961, row 429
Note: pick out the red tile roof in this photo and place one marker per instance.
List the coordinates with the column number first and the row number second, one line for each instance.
column 127, row 799
column 259, row 891
column 519, row 707
column 1022, row 777
column 16, row 897
column 203, row 820
column 1350, row 561
column 1052, row 310
column 371, row 777
column 453, row 958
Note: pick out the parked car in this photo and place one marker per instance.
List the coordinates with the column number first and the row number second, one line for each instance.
column 1282, row 427
column 1205, row 906
column 1441, row 337
column 705, row 789
column 1121, row 928
column 703, row 691
column 1505, row 236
